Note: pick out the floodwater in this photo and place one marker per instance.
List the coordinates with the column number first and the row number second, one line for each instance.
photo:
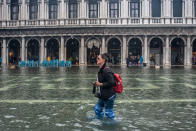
column 46, row 99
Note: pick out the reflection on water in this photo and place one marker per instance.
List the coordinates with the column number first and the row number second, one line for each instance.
column 61, row 99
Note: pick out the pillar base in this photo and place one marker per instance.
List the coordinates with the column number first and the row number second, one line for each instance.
column 123, row 64
column 157, row 67
column 82, row 64
column 188, row 66
column 167, row 66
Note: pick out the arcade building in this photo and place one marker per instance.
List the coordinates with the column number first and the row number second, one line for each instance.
column 162, row 31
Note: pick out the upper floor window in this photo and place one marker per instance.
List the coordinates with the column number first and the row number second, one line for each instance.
column 135, row 8
column 53, row 9
column 33, row 9
column 114, row 9
column 156, row 8
column 93, row 9
column 73, row 9
column 195, row 8
column 177, row 8
column 14, row 9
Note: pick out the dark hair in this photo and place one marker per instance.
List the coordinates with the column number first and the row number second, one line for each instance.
column 105, row 56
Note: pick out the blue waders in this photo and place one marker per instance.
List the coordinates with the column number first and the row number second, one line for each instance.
column 108, row 104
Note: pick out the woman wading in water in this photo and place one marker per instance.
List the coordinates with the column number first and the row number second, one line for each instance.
column 106, row 94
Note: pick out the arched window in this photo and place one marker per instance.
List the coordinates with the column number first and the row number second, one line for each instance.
column 73, row 9
column 93, row 8
column 156, row 8
column 14, row 9
column 134, row 8
column 114, row 9
column 33, row 9
column 177, row 8
column 53, row 9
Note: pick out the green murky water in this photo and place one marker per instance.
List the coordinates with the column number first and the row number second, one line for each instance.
column 60, row 99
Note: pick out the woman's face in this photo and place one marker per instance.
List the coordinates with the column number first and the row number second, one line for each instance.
column 100, row 60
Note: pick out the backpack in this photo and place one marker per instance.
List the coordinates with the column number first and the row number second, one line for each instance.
column 118, row 88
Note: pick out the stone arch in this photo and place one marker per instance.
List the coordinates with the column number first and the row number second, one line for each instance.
column 135, row 46
column 193, row 43
column 52, row 48
column 17, row 39
column 137, row 37
column 65, row 44
column 33, row 47
column 158, row 37
column 51, row 39
column 177, row 37
column 113, row 37
column 93, row 46
column 72, row 50
column 194, row 38
column 114, row 50
column 177, row 51
column 37, row 39
column 14, row 55
column 92, row 38
column 156, row 51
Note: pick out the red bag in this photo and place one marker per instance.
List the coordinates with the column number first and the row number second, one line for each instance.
column 118, row 88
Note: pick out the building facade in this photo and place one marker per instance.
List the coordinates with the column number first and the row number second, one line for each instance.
column 162, row 31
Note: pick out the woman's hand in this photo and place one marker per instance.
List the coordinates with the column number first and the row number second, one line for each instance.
column 97, row 83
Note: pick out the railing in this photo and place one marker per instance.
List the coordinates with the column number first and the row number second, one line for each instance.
column 156, row 20
column 96, row 22
column 178, row 20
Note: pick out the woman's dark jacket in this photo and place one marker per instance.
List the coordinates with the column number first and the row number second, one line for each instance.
column 105, row 76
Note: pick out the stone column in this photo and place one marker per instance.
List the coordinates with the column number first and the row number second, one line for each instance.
column 124, row 50
column 103, row 45
column 167, row 53
column 42, row 50
column 145, row 49
column 62, row 49
column 23, row 49
column 82, row 51
column 189, row 52
column 4, row 53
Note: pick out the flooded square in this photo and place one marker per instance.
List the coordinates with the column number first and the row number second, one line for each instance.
column 61, row 99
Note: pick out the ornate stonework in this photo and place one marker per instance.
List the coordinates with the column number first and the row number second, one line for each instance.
column 118, row 31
